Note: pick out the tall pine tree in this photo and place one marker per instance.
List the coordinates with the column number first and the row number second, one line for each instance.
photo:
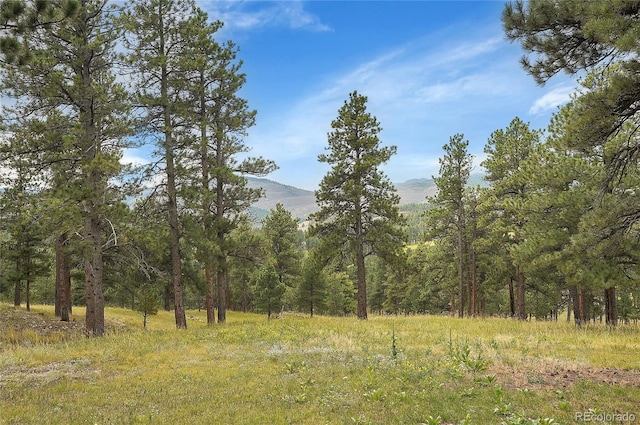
column 69, row 80
column 221, row 118
column 506, row 151
column 158, row 39
column 358, row 204
column 449, row 214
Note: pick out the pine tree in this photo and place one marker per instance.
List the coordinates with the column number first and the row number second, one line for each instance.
column 157, row 36
column 268, row 290
column 599, row 37
column 605, row 246
column 21, row 220
column 18, row 19
column 248, row 250
column 449, row 214
column 554, row 208
column 506, row 150
column 281, row 230
column 69, row 81
column 312, row 286
column 147, row 303
column 358, row 204
column 339, row 295
column 221, row 118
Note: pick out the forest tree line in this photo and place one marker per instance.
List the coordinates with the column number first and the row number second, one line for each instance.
column 554, row 230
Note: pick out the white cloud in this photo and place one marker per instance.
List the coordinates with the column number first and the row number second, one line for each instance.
column 134, row 157
column 416, row 69
column 418, row 93
column 460, row 88
column 247, row 15
column 293, row 14
column 422, row 92
column 464, row 52
column 550, row 101
column 408, row 88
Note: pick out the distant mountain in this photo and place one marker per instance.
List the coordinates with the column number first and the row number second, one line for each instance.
column 415, row 191
column 299, row 202
column 302, row 202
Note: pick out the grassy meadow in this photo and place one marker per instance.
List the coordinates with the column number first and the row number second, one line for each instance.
column 321, row 370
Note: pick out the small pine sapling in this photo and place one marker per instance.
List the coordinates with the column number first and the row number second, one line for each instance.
column 147, row 304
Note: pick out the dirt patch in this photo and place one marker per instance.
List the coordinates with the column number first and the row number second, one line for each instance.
column 19, row 327
column 557, row 375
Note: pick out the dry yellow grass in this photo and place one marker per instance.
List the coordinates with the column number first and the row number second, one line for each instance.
column 387, row 370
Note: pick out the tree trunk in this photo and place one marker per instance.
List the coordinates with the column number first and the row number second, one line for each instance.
column 584, row 318
column 94, row 185
column 361, row 277
column 474, row 284
column 57, row 290
column 469, row 283
column 522, row 315
column 221, row 260
column 570, row 302
column 17, row 293
column 362, row 284
column 172, row 192
column 93, row 273
column 211, row 319
column 460, row 271
column 174, row 227
column 222, row 289
column 610, row 306
column 92, row 233
column 28, row 286
column 63, row 279
column 67, row 291
column 512, row 300
column 28, row 296
column 206, row 213
column 168, row 295
column 578, row 305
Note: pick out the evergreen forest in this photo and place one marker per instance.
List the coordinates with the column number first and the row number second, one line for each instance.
column 553, row 233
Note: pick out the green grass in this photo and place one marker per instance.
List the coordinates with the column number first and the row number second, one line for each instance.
column 298, row 370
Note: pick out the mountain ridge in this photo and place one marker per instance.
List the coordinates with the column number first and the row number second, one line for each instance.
column 301, row 202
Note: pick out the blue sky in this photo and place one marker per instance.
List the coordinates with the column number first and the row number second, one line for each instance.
column 430, row 69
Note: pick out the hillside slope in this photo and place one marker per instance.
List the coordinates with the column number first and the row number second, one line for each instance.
column 302, row 202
